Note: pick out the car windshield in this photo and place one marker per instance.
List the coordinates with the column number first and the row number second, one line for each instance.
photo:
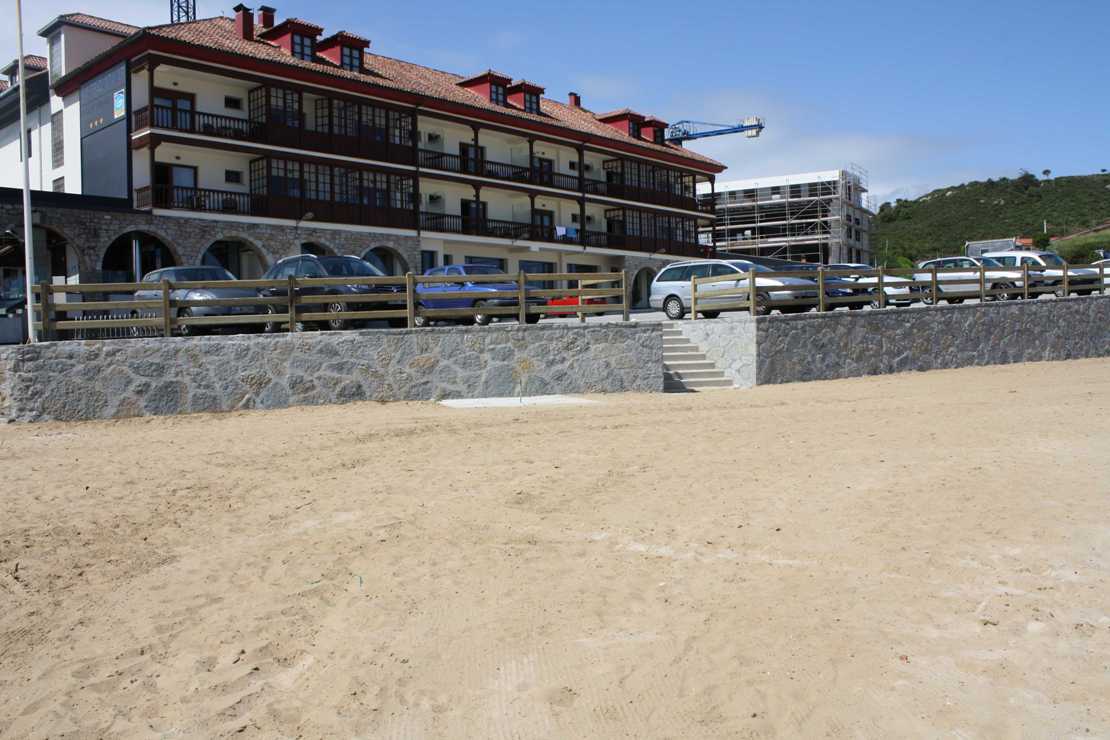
column 990, row 262
column 349, row 267
column 746, row 266
column 190, row 273
column 1052, row 259
column 482, row 270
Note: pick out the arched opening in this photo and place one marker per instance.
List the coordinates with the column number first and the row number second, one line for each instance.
column 641, row 287
column 237, row 257
column 387, row 259
column 314, row 248
column 135, row 248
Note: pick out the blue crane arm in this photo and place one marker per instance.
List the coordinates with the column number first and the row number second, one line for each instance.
column 688, row 130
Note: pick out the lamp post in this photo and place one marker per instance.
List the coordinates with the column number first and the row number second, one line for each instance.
column 28, row 235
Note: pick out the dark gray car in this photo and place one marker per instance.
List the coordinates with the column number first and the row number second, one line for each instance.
column 196, row 274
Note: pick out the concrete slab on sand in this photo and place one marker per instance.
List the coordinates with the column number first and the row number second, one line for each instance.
column 491, row 403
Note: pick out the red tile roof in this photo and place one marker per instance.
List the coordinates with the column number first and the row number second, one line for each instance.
column 219, row 34
column 3, row 85
column 91, row 22
column 33, row 61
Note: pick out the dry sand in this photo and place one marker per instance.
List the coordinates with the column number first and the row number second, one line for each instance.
column 916, row 555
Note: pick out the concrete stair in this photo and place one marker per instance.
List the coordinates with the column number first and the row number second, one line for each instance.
column 685, row 367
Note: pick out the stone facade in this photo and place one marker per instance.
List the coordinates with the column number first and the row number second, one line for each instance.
column 729, row 342
column 153, row 377
column 90, row 231
column 845, row 345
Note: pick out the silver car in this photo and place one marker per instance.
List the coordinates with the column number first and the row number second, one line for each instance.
column 196, row 274
column 670, row 291
column 1048, row 267
column 995, row 274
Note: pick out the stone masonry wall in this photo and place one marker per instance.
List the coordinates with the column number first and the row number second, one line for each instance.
column 844, row 345
column 153, row 377
column 729, row 342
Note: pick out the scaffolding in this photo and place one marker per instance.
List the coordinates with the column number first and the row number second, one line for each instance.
column 812, row 217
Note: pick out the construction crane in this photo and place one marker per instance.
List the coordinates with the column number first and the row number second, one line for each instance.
column 682, row 131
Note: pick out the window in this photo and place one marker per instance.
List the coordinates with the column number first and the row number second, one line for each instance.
column 234, row 177
column 634, row 129
column 57, row 141
column 427, row 260
column 535, row 266
column 304, row 47
column 496, row 262
column 531, row 102
column 55, row 56
column 317, row 182
column 59, row 185
column 659, row 135
column 233, row 103
column 350, row 58
column 497, row 94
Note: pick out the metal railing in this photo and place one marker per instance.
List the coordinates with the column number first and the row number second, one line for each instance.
column 292, row 304
column 827, row 290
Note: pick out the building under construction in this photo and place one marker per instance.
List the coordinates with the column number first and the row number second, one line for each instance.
column 813, row 217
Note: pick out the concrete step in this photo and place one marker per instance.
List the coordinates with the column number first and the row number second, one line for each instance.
column 707, row 384
column 710, row 373
column 691, row 354
column 694, row 386
column 686, row 365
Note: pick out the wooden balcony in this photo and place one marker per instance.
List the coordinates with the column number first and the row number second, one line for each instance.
column 641, row 195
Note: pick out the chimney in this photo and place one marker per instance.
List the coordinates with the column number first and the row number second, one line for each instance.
column 574, row 100
column 244, row 22
column 266, row 16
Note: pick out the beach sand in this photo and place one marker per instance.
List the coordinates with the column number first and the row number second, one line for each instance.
column 911, row 555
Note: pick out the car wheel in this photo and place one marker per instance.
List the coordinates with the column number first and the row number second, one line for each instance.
column 710, row 314
column 1003, row 296
column 673, row 308
column 184, row 329
column 481, row 319
column 337, row 324
column 874, row 300
column 763, row 304
column 532, row 318
column 271, row 327
column 134, row 331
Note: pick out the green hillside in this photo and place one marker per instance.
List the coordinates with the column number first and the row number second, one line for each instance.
column 941, row 221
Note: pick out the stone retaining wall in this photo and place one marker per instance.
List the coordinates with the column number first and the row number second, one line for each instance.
column 150, row 377
column 844, row 345
column 729, row 342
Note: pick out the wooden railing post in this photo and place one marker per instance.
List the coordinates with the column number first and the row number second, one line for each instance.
column 624, row 296
column 821, row 290
column 1025, row 282
column 46, row 311
column 167, row 315
column 581, row 315
column 1067, row 285
column 521, row 296
column 882, row 289
column 1102, row 279
column 933, row 286
column 693, row 299
column 753, row 301
column 292, row 304
column 982, row 283
column 410, row 300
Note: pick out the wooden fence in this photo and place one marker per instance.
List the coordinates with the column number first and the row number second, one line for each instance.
column 108, row 310
column 717, row 293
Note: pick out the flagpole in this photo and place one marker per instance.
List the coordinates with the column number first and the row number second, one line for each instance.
column 28, row 236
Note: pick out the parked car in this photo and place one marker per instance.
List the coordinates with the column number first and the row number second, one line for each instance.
column 1049, row 267
column 195, row 275
column 835, row 286
column 897, row 291
column 996, row 277
column 573, row 300
column 1105, row 265
column 346, row 296
column 439, row 295
column 670, row 290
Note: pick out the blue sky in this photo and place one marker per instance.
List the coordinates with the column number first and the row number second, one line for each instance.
column 920, row 94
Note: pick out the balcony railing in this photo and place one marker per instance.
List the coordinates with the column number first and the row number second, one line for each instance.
column 642, row 195
column 271, row 206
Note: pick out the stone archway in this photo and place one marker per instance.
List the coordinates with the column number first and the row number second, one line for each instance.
column 316, row 248
column 118, row 263
column 387, row 259
column 241, row 258
column 641, row 287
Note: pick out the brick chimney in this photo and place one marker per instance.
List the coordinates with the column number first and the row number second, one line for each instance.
column 244, row 22
column 266, row 17
column 574, row 100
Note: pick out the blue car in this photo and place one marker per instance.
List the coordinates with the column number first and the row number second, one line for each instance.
column 439, row 295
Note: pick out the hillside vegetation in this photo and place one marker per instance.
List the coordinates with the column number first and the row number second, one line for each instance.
column 940, row 222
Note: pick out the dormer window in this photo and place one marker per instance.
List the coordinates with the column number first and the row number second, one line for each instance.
column 634, row 129
column 351, row 58
column 531, row 102
column 304, row 47
column 497, row 94
column 659, row 135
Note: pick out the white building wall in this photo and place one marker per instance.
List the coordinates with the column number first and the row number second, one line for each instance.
column 79, row 45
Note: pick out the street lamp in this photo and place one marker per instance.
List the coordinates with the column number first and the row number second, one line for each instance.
column 28, row 236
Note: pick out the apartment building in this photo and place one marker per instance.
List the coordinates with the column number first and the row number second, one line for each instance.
column 238, row 140
column 813, row 216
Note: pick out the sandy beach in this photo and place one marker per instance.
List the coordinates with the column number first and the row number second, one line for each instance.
column 922, row 555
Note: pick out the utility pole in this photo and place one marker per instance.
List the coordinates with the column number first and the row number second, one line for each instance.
column 24, row 150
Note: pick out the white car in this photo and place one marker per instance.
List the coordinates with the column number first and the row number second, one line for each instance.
column 996, row 277
column 898, row 291
column 1049, row 268
column 670, row 291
